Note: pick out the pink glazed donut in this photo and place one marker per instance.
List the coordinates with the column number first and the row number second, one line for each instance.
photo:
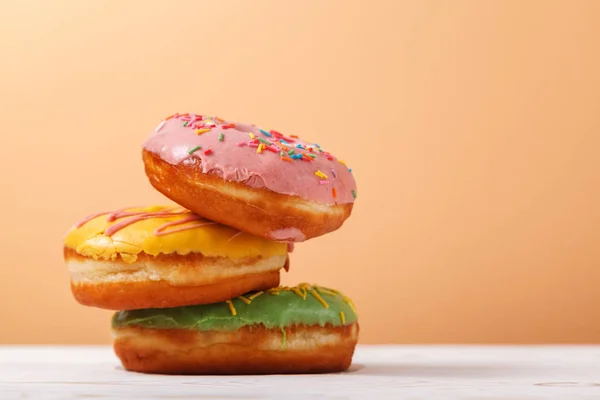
column 256, row 180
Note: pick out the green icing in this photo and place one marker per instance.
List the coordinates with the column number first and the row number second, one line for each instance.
column 287, row 308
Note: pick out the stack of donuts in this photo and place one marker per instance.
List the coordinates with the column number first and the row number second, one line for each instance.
column 196, row 284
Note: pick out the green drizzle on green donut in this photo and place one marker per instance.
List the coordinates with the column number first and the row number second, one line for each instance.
column 276, row 308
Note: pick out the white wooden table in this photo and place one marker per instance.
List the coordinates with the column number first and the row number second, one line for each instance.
column 378, row 372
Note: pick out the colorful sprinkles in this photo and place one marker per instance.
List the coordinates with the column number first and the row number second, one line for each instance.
column 350, row 303
column 231, row 308
column 328, row 291
column 320, row 174
column 319, row 298
column 195, row 149
column 302, row 290
column 273, row 141
column 255, row 295
column 159, row 127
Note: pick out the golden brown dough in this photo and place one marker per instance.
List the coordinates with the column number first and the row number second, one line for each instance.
column 260, row 212
column 249, row 350
column 165, row 281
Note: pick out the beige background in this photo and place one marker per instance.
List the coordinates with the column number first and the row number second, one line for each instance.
column 472, row 126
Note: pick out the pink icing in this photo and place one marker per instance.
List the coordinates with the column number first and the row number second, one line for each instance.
column 136, row 216
column 162, row 230
column 234, row 236
column 112, row 229
column 236, row 157
column 287, row 234
column 89, row 218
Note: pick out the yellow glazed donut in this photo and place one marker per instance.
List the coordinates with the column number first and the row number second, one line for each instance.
column 166, row 256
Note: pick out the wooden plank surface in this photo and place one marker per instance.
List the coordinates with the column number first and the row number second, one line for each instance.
column 415, row 372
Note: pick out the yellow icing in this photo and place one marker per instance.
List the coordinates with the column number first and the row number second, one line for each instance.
column 214, row 240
